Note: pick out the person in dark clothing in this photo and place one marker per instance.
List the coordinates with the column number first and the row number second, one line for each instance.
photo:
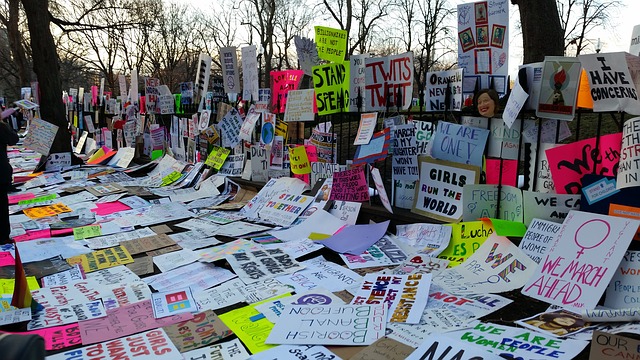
column 7, row 137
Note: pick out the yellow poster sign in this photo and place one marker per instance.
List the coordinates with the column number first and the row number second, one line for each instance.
column 331, row 43
column 466, row 238
column 299, row 160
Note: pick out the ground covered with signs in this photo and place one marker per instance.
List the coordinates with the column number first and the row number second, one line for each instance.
column 119, row 266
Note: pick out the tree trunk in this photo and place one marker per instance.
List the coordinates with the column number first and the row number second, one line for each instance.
column 47, row 69
column 15, row 43
column 542, row 33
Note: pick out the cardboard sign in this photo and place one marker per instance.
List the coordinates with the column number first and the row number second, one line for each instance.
column 326, row 145
column 300, row 105
column 629, row 169
column 350, row 185
column 283, row 209
column 331, row 43
column 611, row 83
column 153, row 344
column 250, row 73
column 443, row 346
column 148, row 243
column 536, row 241
column 424, row 132
column 330, row 82
column 466, row 238
column 405, row 156
column 376, row 150
column 367, row 126
column 217, row 156
column 405, row 295
column 439, row 189
column 299, row 160
column 481, row 201
column 102, row 259
column 559, row 88
column 389, row 82
column 230, row 76
column 169, row 303
column 267, row 131
column 621, row 292
column 357, row 82
column 382, row 193
column 459, row 143
column 552, row 207
column 40, row 136
column 319, row 321
column 437, row 84
column 568, row 163
column 254, row 266
column 605, row 346
column 230, row 128
column 56, row 162
column 497, row 266
column 259, row 164
column 517, row 100
column 249, row 124
column 483, row 45
column 232, row 166
column 557, row 279
column 504, row 141
column 281, row 83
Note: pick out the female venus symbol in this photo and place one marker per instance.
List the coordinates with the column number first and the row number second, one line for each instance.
column 592, row 230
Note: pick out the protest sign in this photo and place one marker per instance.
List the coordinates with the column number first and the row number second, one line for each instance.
column 331, row 43
column 552, row 207
column 323, row 170
column 483, row 46
column 307, row 53
column 150, row 345
column 281, row 83
column 40, row 136
column 217, row 157
column 466, row 238
column 439, row 188
column 326, row 145
column 382, row 193
column 504, row 142
column 503, row 172
column 232, row 166
column 330, row 82
column 376, row 150
column 405, row 157
column 559, row 88
column 102, row 259
column 249, row 124
column 346, row 211
column 356, row 82
column 427, row 238
column 630, row 212
column 459, row 143
column 421, row 264
column 629, row 168
column 612, row 85
column 204, row 329
column 605, row 346
column 321, row 274
column 389, row 82
column 251, row 331
column 59, row 337
column 424, row 132
column 438, row 82
column 250, row 73
column 283, row 209
column 259, row 164
column 58, row 161
column 257, row 265
column 497, row 266
column 568, row 163
column 66, row 314
column 441, row 345
column 230, row 128
column 148, row 243
column 517, row 99
column 169, row 303
column 345, row 321
column 519, row 342
column 299, row 160
column 85, row 232
column 267, row 131
column 481, row 201
column 404, row 295
column 367, row 126
column 536, row 241
column 230, row 76
column 571, row 281
column 350, row 185
column 300, row 105
column 385, row 252
column 622, row 290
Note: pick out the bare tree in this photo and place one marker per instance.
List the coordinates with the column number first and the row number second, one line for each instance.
column 11, row 18
column 578, row 18
column 541, row 35
column 292, row 18
column 262, row 20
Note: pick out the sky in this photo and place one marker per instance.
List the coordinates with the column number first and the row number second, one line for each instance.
column 617, row 39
